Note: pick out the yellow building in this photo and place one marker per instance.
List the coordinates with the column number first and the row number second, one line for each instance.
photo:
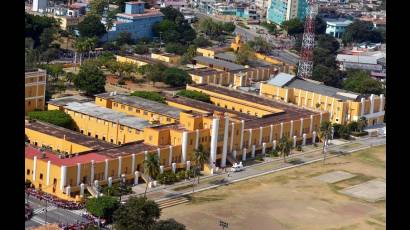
column 166, row 57
column 67, row 22
column 234, row 127
column 139, row 61
column 343, row 106
column 210, row 51
column 234, row 78
column 35, row 90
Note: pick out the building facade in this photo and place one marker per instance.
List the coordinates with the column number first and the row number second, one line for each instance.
column 336, row 27
column 234, row 127
column 283, row 10
column 343, row 106
column 35, row 90
column 135, row 20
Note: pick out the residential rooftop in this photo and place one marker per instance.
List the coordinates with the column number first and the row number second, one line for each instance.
column 142, row 103
column 289, row 112
column 204, row 71
column 291, row 81
column 102, row 113
column 62, row 101
column 68, row 135
column 220, row 63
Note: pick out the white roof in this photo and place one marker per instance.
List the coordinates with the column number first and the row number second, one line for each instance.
column 357, row 59
column 281, row 79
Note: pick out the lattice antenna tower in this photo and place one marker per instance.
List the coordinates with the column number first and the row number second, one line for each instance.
column 305, row 68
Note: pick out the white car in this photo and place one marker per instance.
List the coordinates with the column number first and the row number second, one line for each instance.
column 237, row 167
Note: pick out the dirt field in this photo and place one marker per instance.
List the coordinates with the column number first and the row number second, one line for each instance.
column 291, row 199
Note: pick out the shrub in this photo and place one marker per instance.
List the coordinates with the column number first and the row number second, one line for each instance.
column 103, row 206
column 299, row 148
column 258, row 158
column 359, row 134
column 195, row 95
column 273, row 153
column 176, row 77
column 140, row 49
column 28, row 183
column 181, row 174
column 168, row 177
column 55, row 117
column 153, row 96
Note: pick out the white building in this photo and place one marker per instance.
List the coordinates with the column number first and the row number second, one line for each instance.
column 336, row 27
column 39, row 5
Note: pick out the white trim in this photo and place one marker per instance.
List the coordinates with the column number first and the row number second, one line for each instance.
column 373, row 115
column 36, row 97
column 35, row 83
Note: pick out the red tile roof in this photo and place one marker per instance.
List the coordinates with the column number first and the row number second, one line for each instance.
column 30, row 152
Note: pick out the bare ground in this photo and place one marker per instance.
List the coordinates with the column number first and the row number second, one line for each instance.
column 291, row 199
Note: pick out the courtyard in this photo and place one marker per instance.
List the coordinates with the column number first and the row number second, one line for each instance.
column 293, row 199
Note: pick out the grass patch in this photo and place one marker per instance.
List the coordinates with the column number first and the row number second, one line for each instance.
column 351, row 146
column 182, row 187
column 367, row 156
column 207, row 198
column 348, row 227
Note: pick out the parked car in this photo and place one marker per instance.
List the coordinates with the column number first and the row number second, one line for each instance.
column 237, row 167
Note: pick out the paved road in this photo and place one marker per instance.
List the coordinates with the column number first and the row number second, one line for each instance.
column 53, row 215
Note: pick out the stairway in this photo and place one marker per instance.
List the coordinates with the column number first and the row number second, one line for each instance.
column 231, row 159
column 172, row 202
column 92, row 191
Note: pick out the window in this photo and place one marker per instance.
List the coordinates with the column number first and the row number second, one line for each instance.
column 150, row 138
column 100, row 99
column 89, row 134
column 129, row 108
column 129, row 130
column 82, row 131
column 190, row 142
column 137, row 111
column 41, row 176
column 226, row 106
column 103, row 138
column 28, row 171
column 168, row 119
column 122, row 106
column 112, row 141
column 119, row 142
column 240, row 110
column 145, row 113
column 96, row 136
column 29, row 102
column 121, row 127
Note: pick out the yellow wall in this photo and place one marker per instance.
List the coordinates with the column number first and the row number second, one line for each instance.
column 35, row 83
column 173, row 59
column 139, row 63
column 54, row 142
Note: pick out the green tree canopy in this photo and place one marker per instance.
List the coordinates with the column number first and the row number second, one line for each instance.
column 196, row 95
column 329, row 76
column 260, row 45
column 176, row 77
column 35, row 25
column 359, row 81
column 103, row 206
column 90, row 79
column 140, row 49
column 124, row 38
column 243, row 55
column 328, row 42
column 91, row 26
column 153, row 96
column 189, row 55
column 169, row 224
column 49, row 55
column 320, row 25
column 55, row 117
column 214, row 29
column 201, row 41
column 293, row 26
column 47, row 37
column 171, row 13
column 97, row 7
column 361, row 31
column 175, row 48
column 136, row 213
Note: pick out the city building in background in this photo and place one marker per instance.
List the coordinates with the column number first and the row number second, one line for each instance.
column 35, row 90
column 283, row 10
column 336, row 27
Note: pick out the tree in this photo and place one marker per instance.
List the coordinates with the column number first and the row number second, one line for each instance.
column 176, row 77
column 361, row 123
column 293, row 26
column 320, row 25
column 260, row 45
column 196, row 95
column 151, row 168
column 327, row 75
column 175, row 48
column 200, row 158
column 324, row 134
column 243, row 55
column 285, row 147
column 359, row 81
column 140, row 49
column 136, row 213
column 171, row 13
column 152, row 96
column 55, row 117
column 124, row 38
column 189, row 55
column 105, row 58
column 154, row 73
column 97, row 7
column 201, row 41
column 47, row 37
column 49, row 55
column 102, row 207
column 361, row 31
column 91, row 26
column 325, row 41
column 169, row 224
column 228, row 27
column 90, row 79
column 35, row 25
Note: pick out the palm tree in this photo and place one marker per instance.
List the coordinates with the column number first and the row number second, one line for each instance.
column 200, row 158
column 151, row 168
column 80, row 47
column 285, row 147
column 362, row 123
column 324, row 134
